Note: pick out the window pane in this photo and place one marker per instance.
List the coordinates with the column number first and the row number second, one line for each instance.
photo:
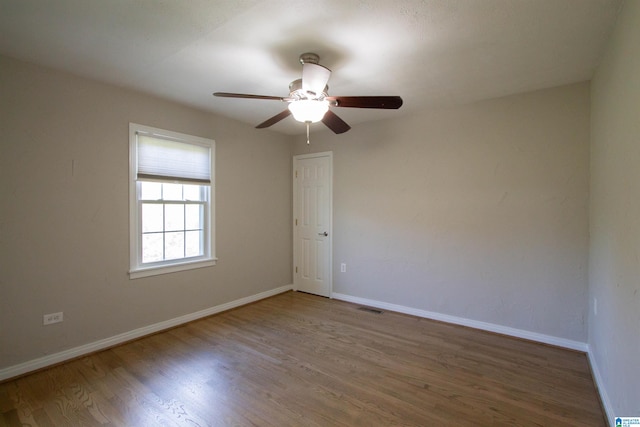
column 152, row 247
column 173, row 217
column 151, row 217
column 193, row 219
column 172, row 191
column 174, row 245
column 150, row 190
column 193, row 244
column 192, row 192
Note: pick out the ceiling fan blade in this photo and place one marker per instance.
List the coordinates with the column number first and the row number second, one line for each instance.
column 386, row 102
column 244, row 95
column 335, row 123
column 275, row 119
column 314, row 78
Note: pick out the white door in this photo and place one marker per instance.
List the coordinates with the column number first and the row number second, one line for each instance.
column 312, row 196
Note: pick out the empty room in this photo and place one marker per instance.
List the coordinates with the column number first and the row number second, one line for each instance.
column 320, row 213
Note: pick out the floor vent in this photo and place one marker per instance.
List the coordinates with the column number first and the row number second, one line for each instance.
column 371, row 310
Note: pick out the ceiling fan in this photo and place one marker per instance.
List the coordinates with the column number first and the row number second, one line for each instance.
column 309, row 100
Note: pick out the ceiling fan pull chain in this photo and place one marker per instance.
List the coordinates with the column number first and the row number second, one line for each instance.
column 308, row 123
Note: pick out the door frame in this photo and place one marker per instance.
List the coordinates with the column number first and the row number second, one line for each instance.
column 296, row 158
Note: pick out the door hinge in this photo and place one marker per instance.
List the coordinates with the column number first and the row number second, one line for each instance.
column 296, row 174
column 296, row 221
column 296, row 269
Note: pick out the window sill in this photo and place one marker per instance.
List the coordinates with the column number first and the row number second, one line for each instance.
column 165, row 269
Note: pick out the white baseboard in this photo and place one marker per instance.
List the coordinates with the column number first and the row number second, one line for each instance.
column 604, row 397
column 52, row 359
column 505, row 330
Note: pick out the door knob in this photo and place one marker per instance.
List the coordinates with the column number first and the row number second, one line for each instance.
column 325, row 234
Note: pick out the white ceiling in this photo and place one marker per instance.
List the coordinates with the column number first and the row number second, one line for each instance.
column 431, row 52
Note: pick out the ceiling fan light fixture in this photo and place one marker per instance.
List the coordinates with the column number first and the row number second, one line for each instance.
column 309, row 110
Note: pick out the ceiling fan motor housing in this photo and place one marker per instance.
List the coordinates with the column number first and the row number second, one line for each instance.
column 309, row 58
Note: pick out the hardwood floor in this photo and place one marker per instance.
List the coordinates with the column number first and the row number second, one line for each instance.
column 301, row 360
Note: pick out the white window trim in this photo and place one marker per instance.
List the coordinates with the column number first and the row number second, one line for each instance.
column 208, row 259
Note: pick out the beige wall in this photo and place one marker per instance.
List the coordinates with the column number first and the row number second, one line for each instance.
column 614, row 263
column 64, row 213
column 478, row 211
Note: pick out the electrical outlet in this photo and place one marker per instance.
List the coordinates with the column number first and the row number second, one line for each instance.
column 343, row 268
column 50, row 318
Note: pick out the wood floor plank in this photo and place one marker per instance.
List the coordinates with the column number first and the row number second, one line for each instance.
column 300, row 360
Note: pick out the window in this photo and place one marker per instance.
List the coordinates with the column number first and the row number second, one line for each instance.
column 171, row 201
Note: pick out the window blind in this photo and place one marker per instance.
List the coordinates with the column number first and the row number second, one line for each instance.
column 166, row 159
